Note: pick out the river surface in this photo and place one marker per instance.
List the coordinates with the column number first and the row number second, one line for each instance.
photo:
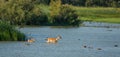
column 90, row 40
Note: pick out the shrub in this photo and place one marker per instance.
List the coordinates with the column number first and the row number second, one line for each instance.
column 66, row 16
column 38, row 16
column 37, row 20
column 9, row 33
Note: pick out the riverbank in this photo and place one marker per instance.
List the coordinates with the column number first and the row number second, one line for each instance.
column 99, row 14
column 105, row 20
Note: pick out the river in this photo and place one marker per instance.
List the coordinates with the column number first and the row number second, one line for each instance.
column 90, row 40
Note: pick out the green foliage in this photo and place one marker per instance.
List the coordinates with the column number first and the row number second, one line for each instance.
column 37, row 20
column 54, row 8
column 22, row 11
column 93, row 3
column 62, row 15
column 66, row 16
column 88, row 3
column 33, row 12
column 38, row 16
column 42, row 1
column 9, row 33
column 14, row 11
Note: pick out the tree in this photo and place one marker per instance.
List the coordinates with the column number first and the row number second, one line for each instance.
column 54, row 8
column 88, row 3
column 67, row 16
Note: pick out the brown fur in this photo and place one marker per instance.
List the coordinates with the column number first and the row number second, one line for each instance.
column 53, row 40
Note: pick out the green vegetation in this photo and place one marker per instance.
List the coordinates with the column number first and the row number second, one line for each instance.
column 63, row 14
column 29, row 12
column 22, row 12
column 84, row 3
column 9, row 33
column 66, row 16
column 99, row 14
column 52, row 12
column 93, row 3
column 107, row 20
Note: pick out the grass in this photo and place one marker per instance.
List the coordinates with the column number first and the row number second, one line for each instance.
column 107, row 20
column 99, row 14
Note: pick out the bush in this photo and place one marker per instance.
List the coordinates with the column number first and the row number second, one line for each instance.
column 66, row 16
column 38, row 16
column 9, row 33
column 37, row 20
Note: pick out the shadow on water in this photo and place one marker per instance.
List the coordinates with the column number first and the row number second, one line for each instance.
column 90, row 40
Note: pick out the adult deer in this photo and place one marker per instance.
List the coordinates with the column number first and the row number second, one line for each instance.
column 53, row 40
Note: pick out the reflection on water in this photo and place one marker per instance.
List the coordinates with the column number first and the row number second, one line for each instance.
column 99, row 42
column 100, row 24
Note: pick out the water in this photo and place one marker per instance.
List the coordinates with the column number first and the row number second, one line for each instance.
column 71, row 45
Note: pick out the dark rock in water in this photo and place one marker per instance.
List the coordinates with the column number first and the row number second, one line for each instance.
column 99, row 49
column 115, row 45
column 85, row 46
column 78, row 39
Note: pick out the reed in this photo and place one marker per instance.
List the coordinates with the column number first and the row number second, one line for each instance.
column 9, row 33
